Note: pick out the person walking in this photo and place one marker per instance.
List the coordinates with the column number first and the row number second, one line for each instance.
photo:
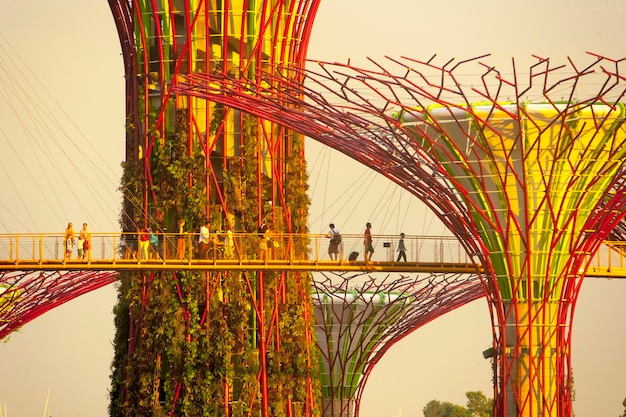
column 229, row 244
column 205, row 240
column 81, row 244
column 367, row 242
column 180, row 242
column 154, row 245
column 68, row 241
column 144, row 243
column 265, row 235
column 86, row 245
column 401, row 248
column 335, row 240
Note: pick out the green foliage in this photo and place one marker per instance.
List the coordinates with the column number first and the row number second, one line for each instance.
column 120, row 344
column 444, row 409
column 241, row 182
column 478, row 405
column 179, row 177
column 296, row 184
column 188, row 340
column 132, row 189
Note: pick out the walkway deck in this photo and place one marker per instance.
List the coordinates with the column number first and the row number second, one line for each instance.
column 243, row 265
column 114, row 252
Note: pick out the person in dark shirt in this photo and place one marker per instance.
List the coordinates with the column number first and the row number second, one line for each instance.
column 401, row 249
column 367, row 242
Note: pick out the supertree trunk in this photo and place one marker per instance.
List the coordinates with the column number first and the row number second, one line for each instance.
column 213, row 343
column 528, row 176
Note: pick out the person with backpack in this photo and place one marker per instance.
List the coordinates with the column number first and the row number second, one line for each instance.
column 335, row 240
column 154, row 245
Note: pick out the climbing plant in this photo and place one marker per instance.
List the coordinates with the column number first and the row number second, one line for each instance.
column 179, row 176
column 187, row 343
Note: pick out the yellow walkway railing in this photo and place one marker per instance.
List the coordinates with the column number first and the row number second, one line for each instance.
column 118, row 251
column 609, row 261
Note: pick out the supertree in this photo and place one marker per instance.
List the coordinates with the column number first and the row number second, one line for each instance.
column 26, row 295
column 526, row 168
column 211, row 343
column 358, row 318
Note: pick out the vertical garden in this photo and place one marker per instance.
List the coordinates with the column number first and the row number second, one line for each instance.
column 211, row 343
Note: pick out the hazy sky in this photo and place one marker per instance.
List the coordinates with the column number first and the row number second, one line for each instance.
column 61, row 143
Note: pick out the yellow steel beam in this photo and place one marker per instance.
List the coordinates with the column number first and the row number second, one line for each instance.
column 606, row 272
column 270, row 265
column 427, row 254
column 244, row 265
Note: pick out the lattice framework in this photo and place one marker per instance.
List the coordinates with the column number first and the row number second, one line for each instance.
column 368, row 330
column 191, row 159
column 530, row 188
column 359, row 318
column 27, row 295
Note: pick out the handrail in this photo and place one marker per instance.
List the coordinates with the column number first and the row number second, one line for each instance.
column 117, row 247
column 115, row 250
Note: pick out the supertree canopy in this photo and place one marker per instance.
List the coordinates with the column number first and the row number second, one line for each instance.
column 211, row 343
column 26, row 295
column 525, row 167
column 358, row 318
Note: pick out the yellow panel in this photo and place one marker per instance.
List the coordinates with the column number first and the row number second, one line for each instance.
column 230, row 139
column 235, row 19
column 229, row 130
column 200, row 116
column 199, row 38
column 536, row 373
column 234, row 62
column 501, row 134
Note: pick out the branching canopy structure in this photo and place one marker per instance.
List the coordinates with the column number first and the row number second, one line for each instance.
column 26, row 295
column 358, row 318
column 526, row 168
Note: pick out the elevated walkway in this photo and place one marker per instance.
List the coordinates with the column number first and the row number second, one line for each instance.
column 115, row 251
column 289, row 252
column 242, row 265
